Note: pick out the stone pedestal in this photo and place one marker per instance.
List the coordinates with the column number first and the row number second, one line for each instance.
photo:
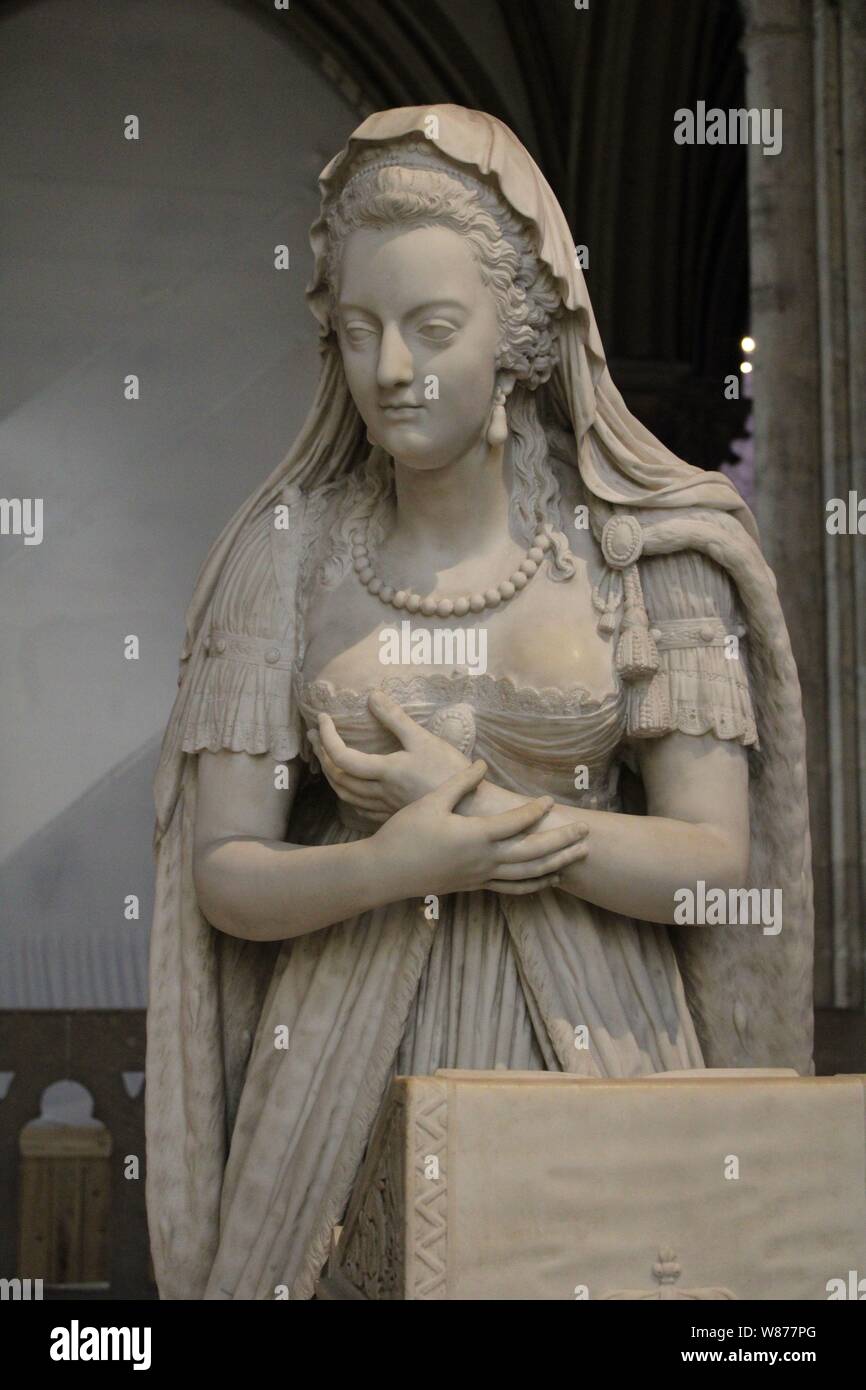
column 538, row 1185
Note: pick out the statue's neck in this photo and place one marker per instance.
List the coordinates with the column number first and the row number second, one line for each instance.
column 458, row 510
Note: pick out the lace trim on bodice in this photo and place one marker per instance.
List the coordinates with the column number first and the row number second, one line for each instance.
column 497, row 694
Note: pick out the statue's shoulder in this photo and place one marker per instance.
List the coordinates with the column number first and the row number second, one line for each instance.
column 254, row 591
column 714, row 530
column 249, row 556
column 324, row 499
column 630, row 533
column 280, row 524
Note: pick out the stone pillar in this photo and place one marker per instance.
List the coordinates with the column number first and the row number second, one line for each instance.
column 806, row 238
column 840, row 144
column 853, row 66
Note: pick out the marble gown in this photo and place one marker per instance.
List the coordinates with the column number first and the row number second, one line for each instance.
column 471, row 1009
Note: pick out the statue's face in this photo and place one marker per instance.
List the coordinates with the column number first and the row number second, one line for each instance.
column 417, row 322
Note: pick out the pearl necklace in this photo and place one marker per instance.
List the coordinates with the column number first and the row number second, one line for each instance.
column 447, row 607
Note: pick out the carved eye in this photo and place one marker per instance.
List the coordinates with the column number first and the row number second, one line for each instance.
column 359, row 333
column 437, row 330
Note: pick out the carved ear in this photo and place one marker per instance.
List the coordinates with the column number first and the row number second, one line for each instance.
column 505, row 382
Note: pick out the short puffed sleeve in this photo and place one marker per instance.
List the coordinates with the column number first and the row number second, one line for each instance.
column 243, row 698
column 702, row 644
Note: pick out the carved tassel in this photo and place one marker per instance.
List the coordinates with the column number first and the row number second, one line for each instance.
column 637, row 659
column 649, row 707
column 606, row 599
column 637, row 656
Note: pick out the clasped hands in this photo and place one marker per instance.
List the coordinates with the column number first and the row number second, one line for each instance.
column 413, row 794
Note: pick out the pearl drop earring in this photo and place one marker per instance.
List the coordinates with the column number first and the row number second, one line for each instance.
column 497, row 430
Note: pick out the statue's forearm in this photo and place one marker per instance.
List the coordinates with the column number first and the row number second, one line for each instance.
column 267, row 890
column 635, row 863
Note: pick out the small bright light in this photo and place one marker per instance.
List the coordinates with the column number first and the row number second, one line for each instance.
column 745, row 368
column 748, row 344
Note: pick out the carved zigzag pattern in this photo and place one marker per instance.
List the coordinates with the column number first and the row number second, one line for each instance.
column 370, row 1254
column 429, row 1254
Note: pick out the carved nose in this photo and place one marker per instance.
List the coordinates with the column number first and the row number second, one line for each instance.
column 395, row 360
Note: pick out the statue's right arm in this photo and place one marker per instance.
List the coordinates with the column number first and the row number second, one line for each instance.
column 250, row 883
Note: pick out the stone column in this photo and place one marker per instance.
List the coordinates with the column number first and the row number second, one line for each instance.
column 840, row 142
column 806, row 238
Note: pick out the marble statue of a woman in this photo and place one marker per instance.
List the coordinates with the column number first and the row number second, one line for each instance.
column 473, row 685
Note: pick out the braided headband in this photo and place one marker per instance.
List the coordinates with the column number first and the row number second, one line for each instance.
column 411, row 155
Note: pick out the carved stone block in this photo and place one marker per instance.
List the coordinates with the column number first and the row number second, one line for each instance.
column 534, row 1185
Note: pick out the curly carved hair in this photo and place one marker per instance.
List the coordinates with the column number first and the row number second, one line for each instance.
column 527, row 300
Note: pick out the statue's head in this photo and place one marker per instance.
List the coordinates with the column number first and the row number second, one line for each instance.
column 438, row 302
